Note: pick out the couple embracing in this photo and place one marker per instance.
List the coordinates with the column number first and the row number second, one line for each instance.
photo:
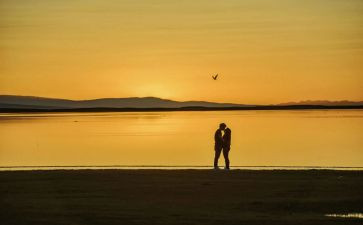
column 222, row 143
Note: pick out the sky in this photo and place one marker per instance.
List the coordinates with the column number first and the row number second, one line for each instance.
column 265, row 51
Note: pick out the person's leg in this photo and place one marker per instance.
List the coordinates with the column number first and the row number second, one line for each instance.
column 217, row 152
column 226, row 158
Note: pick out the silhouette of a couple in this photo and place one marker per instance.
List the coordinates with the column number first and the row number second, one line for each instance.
column 222, row 144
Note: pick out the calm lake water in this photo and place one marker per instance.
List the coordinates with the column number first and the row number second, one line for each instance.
column 259, row 138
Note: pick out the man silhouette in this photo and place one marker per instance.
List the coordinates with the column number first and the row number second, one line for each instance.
column 218, row 144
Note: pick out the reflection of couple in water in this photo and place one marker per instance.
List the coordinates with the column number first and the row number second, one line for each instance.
column 222, row 143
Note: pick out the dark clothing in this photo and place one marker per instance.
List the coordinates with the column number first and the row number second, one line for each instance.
column 219, row 145
column 227, row 139
column 218, row 139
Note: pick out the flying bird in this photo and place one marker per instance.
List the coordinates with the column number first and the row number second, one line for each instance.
column 215, row 77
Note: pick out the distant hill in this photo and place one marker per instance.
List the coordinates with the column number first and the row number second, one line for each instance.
column 14, row 103
column 27, row 102
column 324, row 103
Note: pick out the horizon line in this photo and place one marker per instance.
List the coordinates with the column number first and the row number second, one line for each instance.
column 209, row 101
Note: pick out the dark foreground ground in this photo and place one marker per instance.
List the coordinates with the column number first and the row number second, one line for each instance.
column 179, row 197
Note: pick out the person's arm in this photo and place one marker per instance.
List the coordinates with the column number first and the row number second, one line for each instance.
column 220, row 137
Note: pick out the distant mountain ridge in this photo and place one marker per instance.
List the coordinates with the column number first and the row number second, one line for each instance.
column 14, row 101
column 324, row 102
column 31, row 102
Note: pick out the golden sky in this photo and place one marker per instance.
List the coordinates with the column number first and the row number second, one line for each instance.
column 266, row 51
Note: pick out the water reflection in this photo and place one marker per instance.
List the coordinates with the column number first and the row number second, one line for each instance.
column 348, row 215
column 316, row 138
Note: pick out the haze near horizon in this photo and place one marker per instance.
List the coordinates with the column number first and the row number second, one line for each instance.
column 266, row 52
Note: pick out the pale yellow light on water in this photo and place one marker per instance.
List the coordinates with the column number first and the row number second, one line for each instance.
column 259, row 138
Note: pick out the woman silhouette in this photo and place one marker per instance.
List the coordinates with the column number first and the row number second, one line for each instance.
column 226, row 145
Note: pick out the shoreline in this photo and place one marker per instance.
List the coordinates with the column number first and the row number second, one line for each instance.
column 182, row 109
column 171, row 168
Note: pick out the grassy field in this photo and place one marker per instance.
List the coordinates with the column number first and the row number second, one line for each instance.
column 170, row 197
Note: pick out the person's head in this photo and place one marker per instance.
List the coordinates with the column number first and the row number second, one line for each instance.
column 227, row 131
column 222, row 126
